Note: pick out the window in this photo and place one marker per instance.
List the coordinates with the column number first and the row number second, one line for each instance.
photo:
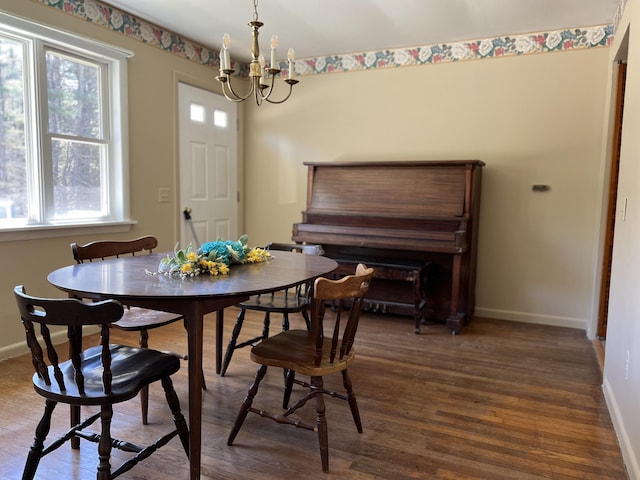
column 220, row 118
column 198, row 113
column 63, row 125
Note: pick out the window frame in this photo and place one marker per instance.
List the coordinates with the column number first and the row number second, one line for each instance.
column 38, row 39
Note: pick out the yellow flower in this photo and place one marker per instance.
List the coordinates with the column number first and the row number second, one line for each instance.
column 223, row 269
column 192, row 256
column 257, row 255
column 186, row 268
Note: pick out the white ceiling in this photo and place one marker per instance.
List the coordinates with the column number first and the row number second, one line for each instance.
column 316, row 28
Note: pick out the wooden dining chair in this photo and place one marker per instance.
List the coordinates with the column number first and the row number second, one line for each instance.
column 101, row 376
column 135, row 319
column 326, row 349
column 284, row 302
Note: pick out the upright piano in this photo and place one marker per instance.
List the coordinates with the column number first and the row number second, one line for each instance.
column 415, row 222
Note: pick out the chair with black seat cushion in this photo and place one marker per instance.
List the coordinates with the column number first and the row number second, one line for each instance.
column 101, row 376
column 135, row 319
column 285, row 302
column 326, row 349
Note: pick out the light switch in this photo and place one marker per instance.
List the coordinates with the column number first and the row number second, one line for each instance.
column 163, row 195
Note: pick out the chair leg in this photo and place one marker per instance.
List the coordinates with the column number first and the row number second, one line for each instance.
column 246, row 404
column 75, row 345
column 307, row 321
column 42, row 430
column 285, row 372
column 321, row 422
column 104, row 445
column 266, row 325
column 351, row 397
column 285, row 321
column 144, row 404
column 75, row 419
column 290, row 376
column 144, row 393
column 178, row 417
column 232, row 342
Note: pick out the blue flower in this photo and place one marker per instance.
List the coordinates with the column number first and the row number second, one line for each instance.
column 225, row 251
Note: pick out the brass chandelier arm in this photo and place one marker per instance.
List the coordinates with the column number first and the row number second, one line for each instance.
column 291, row 83
column 229, row 92
column 256, row 89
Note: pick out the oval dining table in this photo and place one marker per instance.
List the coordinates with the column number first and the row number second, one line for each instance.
column 134, row 281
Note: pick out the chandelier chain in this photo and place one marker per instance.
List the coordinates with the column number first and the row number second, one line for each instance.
column 255, row 10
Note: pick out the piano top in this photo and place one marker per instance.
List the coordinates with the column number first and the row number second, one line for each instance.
column 407, row 163
column 410, row 189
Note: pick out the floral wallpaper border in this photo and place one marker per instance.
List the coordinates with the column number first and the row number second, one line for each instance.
column 561, row 40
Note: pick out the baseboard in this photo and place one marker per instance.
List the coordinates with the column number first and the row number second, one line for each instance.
column 15, row 350
column 631, row 461
column 21, row 348
column 539, row 319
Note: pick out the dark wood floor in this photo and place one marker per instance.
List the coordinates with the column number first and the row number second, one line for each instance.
column 501, row 401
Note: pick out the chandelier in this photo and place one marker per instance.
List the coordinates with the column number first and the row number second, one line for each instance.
column 261, row 79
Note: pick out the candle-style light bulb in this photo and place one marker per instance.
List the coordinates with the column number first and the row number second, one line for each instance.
column 292, row 59
column 274, row 45
column 224, row 52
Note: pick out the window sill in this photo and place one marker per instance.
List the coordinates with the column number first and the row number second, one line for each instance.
column 56, row 231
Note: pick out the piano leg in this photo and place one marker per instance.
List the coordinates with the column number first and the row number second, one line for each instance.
column 420, row 303
column 456, row 318
column 455, row 323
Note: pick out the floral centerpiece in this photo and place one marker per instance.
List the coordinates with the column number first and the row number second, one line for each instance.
column 213, row 258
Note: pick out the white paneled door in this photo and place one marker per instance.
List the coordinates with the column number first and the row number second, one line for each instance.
column 208, row 166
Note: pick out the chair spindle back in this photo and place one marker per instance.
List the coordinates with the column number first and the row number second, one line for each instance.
column 346, row 297
column 72, row 313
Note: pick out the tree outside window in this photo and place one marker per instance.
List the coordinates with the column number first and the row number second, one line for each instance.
column 62, row 98
column 13, row 172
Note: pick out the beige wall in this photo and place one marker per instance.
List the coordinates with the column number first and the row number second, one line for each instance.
column 153, row 77
column 534, row 119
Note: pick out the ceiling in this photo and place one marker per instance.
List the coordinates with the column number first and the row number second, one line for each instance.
column 316, row 28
